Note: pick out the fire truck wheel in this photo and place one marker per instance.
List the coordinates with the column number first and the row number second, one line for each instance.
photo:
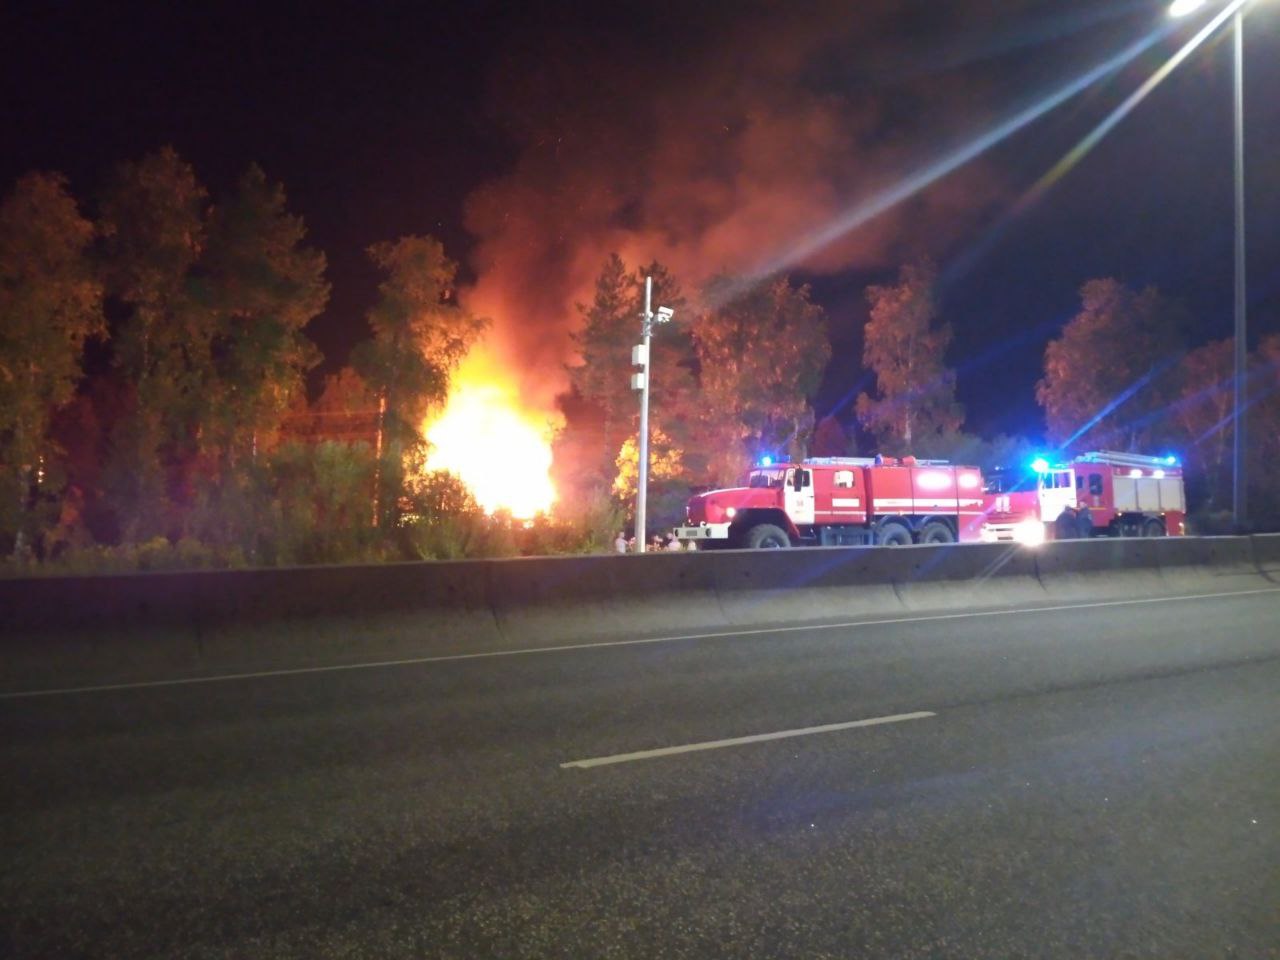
column 893, row 534
column 1153, row 528
column 937, row 532
column 765, row 536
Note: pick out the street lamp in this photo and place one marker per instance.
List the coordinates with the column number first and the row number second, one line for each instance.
column 640, row 381
column 1181, row 8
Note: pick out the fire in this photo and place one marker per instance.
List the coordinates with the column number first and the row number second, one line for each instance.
column 500, row 450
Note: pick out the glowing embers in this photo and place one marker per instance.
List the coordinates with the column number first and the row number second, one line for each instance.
column 500, row 451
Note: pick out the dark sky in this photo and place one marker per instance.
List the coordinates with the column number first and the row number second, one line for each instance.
column 532, row 141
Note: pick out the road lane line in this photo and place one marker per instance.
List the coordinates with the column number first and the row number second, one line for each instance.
column 739, row 741
column 604, row 644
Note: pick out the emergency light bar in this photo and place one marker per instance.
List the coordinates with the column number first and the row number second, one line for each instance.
column 1118, row 459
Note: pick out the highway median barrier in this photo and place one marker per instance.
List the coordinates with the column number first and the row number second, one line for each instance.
column 107, row 629
column 80, row 631
column 964, row 576
column 1228, row 563
column 768, row 587
column 1103, row 568
column 555, row 600
column 1266, row 555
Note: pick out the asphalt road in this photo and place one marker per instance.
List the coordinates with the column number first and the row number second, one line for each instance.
column 1101, row 781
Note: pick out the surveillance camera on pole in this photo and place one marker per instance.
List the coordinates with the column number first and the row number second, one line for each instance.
column 640, row 381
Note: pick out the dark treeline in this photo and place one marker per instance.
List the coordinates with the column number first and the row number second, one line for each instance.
column 154, row 411
column 152, row 383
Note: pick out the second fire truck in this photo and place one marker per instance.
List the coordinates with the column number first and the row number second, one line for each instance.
column 1097, row 494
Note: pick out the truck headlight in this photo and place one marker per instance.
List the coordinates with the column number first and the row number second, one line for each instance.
column 730, row 512
column 1029, row 533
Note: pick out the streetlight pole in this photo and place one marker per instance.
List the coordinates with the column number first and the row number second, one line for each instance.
column 1238, row 489
column 1240, row 407
column 642, row 483
column 640, row 381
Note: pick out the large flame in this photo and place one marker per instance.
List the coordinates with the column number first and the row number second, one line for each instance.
column 499, row 449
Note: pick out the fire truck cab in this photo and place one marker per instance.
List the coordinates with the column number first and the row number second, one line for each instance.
column 840, row 501
column 1102, row 493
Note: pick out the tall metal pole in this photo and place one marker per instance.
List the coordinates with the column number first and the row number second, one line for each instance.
column 1238, row 486
column 642, row 485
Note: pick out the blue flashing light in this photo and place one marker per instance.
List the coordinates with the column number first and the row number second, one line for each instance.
column 1040, row 465
column 766, row 461
column 1171, row 460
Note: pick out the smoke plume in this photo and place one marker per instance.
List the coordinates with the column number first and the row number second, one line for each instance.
column 711, row 140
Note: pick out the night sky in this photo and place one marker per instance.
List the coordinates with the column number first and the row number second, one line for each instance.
column 533, row 141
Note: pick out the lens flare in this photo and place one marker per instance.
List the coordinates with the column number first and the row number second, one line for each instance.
column 871, row 207
column 499, row 449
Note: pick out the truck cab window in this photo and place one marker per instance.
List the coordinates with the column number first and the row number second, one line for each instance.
column 1095, row 484
column 844, row 480
column 765, row 478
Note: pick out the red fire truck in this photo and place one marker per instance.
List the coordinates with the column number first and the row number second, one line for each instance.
column 831, row 501
column 1103, row 493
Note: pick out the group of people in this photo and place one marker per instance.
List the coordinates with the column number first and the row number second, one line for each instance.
column 624, row 544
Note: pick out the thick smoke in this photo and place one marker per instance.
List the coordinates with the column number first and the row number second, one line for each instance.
column 711, row 141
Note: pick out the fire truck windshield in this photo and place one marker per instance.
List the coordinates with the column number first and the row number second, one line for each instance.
column 767, row 478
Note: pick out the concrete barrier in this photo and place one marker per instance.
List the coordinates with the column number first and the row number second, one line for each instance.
column 1100, row 569
column 1207, row 564
column 1266, row 555
column 797, row 586
column 964, row 576
column 67, row 630
column 554, row 600
column 59, row 632
column 1228, row 564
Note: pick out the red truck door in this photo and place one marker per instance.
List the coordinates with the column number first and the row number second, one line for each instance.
column 841, row 494
column 889, row 491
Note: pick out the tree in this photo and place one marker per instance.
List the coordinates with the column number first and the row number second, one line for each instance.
column 50, row 304
column 152, row 219
column 263, row 288
column 761, row 356
column 1204, row 413
column 602, row 374
column 905, row 348
column 420, row 336
column 1108, row 379
column 665, row 464
column 829, row 439
column 320, row 508
column 675, row 407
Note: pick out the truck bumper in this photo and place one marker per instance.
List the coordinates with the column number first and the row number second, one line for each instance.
column 704, row 531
